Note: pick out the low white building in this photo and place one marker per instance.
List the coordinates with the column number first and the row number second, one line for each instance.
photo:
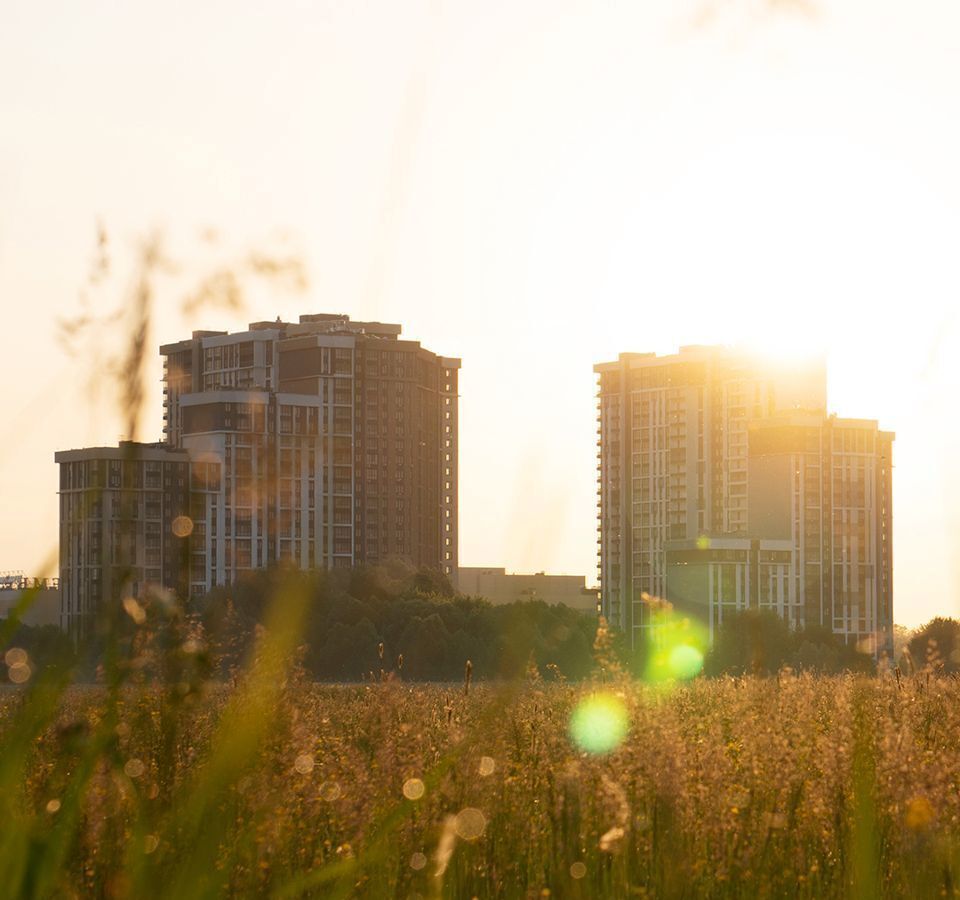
column 45, row 607
column 498, row 587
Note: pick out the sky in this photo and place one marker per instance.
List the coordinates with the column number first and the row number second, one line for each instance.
column 533, row 187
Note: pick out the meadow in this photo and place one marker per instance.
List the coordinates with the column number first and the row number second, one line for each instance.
column 272, row 785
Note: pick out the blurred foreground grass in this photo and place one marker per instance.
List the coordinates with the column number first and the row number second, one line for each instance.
column 271, row 785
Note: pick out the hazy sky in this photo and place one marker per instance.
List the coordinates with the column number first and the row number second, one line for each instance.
column 533, row 187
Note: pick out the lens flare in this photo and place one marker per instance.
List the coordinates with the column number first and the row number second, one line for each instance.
column 685, row 661
column 470, row 823
column 182, row 526
column 675, row 648
column 330, row 791
column 414, row 788
column 304, row 763
column 599, row 723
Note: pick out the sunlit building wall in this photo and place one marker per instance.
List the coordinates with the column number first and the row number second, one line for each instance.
column 118, row 506
column 675, row 467
column 713, row 578
column 357, row 459
column 269, row 504
column 499, row 587
column 44, row 604
column 825, row 485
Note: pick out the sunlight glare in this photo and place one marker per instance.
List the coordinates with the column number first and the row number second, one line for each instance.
column 599, row 723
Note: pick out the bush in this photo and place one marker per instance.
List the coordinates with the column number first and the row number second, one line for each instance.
column 756, row 642
column 411, row 612
column 937, row 645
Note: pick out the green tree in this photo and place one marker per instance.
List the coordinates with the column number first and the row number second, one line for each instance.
column 937, row 645
column 749, row 643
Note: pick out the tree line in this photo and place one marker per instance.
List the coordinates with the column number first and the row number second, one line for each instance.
column 393, row 620
column 397, row 620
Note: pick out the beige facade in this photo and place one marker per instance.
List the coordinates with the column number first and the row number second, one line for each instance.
column 338, row 440
column 44, row 604
column 117, row 534
column 498, row 587
column 681, row 460
column 267, row 506
column 825, row 485
column 714, row 578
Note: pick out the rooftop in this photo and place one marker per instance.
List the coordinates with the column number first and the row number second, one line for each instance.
column 125, row 450
column 309, row 323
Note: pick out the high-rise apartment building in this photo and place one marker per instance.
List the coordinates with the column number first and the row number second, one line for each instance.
column 324, row 442
column 706, row 494
column 118, row 508
column 825, row 485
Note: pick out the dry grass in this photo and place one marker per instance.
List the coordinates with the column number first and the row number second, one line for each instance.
column 793, row 787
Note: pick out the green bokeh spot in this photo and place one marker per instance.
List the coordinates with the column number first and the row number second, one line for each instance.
column 676, row 646
column 685, row 661
column 599, row 723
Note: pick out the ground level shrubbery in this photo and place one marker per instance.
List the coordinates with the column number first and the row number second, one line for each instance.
column 790, row 786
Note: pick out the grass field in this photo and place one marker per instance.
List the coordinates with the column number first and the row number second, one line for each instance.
column 817, row 787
